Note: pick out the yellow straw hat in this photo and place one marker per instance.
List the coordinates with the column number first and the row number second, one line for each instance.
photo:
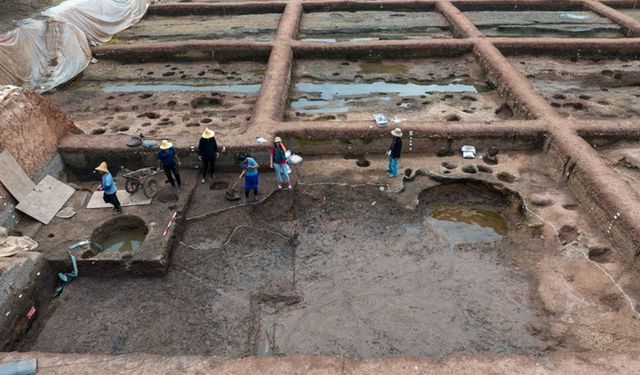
column 102, row 167
column 277, row 139
column 208, row 133
column 165, row 145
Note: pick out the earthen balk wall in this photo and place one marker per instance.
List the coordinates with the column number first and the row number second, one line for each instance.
column 30, row 128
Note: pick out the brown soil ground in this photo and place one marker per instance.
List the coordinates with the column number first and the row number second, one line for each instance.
column 157, row 28
column 583, row 87
column 378, row 25
column 184, row 97
column 345, row 267
column 310, row 104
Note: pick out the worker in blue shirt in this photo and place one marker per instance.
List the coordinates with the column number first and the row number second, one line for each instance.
column 250, row 167
column 108, row 186
column 169, row 160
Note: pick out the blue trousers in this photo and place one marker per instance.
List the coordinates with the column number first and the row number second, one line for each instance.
column 251, row 183
column 281, row 172
column 393, row 166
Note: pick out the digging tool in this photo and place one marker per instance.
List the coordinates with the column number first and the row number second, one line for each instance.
column 232, row 194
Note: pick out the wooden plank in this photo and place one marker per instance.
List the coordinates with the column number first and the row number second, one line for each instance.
column 44, row 202
column 126, row 199
column 13, row 177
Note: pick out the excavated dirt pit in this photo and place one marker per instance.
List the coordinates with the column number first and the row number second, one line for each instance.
column 168, row 98
column 585, row 87
column 358, row 26
column 543, row 23
column 442, row 268
column 121, row 234
column 161, row 28
column 445, row 89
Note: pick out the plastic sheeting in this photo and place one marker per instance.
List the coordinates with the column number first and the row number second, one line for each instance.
column 99, row 19
column 41, row 54
column 46, row 52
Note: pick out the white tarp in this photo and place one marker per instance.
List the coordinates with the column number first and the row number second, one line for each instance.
column 42, row 54
column 45, row 52
column 99, row 19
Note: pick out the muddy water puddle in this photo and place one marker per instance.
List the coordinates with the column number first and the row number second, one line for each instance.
column 337, row 97
column 467, row 225
column 585, row 87
column 331, row 27
column 158, row 28
column 565, row 24
column 123, row 241
column 448, row 89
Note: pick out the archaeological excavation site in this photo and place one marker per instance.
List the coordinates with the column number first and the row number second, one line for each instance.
column 464, row 187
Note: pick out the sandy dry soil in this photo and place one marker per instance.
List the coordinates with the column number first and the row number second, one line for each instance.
column 345, row 268
column 162, row 99
column 585, row 88
column 566, row 24
column 157, row 28
column 377, row 25
column 436, row 89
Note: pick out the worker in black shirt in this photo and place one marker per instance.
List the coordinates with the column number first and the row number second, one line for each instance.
column 208, row 152
column 394, row 152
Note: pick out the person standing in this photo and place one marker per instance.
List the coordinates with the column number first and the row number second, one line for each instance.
column 279, row 162
column 394, row 152
column 208, row 152
column 169, row 160
column 250, row 167
column 108, row 186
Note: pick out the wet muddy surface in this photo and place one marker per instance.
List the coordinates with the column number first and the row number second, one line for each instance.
column 160, row 99
column 157, row 28
column 585, row 88
column 359, row 271
column 331, row 27
column 310, row 289
column 561, row 24
column 411, row 89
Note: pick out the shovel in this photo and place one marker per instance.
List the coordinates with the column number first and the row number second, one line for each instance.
column 232, row 194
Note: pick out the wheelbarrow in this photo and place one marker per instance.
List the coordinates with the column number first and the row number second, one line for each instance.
column 144, row 178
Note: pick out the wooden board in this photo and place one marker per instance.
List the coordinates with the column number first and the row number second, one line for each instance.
column 13, row 177
column 126, row 199
column 44, row 202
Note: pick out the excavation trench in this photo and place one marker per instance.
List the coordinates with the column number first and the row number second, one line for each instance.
column 326, row 270
column 440, row 89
